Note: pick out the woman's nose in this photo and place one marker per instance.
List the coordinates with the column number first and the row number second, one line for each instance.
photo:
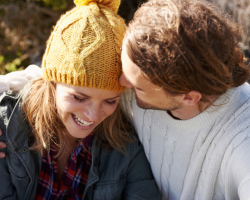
column 93, row 112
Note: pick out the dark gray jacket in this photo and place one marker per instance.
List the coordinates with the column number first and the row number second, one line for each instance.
column 112, row 176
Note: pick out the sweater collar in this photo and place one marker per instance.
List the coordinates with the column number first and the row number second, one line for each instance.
column 207, row 116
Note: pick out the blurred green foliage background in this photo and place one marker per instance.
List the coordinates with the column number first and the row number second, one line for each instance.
column 25, row 26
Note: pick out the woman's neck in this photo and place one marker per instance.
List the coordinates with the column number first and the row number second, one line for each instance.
column 63, row 157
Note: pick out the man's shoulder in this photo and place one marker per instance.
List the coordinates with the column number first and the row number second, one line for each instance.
column 242, row 99
column 237, row 115
column 245, row 87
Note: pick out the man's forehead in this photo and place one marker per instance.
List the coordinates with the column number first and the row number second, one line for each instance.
column 128, row 65
column 132, row 72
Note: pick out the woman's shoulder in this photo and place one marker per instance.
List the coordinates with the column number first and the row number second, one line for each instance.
column 7, row 96
column 11, row 101
column 8, row 103
column 11, row 117
column 134, row 144
column 132, row 148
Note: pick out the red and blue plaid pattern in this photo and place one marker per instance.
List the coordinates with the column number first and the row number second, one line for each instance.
column 74, row 178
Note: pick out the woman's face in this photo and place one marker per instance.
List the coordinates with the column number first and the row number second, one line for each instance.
column 81, row 109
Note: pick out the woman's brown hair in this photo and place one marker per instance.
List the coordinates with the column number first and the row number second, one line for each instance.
column 39, row 108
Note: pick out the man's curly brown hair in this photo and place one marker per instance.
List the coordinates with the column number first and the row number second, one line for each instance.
column 186, row 45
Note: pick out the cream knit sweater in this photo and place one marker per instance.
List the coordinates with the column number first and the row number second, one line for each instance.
column 206, row 157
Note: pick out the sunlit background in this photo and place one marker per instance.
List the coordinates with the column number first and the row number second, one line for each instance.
column 25, row 26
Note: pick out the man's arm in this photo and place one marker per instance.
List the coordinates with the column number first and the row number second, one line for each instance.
column 16, row 80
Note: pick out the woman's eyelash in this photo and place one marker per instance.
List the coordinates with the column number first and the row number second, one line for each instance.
column 111, row 102
column 82, row 100
column 78, row 99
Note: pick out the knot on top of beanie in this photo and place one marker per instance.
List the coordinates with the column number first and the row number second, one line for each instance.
column 112, row 4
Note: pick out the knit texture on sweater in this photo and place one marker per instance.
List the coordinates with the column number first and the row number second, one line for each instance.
column 206, row 157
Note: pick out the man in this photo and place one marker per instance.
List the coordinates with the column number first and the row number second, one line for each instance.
column 191, row 105
column 181, row 57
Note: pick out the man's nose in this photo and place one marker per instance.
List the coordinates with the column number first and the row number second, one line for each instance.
column 123, row 81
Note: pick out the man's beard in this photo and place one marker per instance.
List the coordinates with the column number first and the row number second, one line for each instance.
column 145, row 105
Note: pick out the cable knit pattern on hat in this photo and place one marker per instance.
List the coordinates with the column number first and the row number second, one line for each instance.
column 84, row 48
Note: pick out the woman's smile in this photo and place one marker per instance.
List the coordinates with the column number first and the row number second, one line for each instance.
column 82, row 123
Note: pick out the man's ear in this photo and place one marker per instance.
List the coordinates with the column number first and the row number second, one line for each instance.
column 191, row 98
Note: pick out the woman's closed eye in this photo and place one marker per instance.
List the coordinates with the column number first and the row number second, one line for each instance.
column 111, row 102
column 79, row 99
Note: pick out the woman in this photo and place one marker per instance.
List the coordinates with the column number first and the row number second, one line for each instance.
column 66, row 134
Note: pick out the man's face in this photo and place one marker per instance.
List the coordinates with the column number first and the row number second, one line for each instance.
column 148, row 95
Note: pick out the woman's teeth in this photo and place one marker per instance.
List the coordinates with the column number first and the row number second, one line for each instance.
column 81, row 122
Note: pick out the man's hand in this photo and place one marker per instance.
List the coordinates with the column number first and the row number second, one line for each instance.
column 2, row 145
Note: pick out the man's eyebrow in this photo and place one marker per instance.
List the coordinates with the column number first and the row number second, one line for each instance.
column 139, row 89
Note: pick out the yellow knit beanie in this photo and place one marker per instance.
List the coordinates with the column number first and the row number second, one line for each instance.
column 85, row 47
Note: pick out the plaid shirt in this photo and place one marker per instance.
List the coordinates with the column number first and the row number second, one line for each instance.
column 74, row 178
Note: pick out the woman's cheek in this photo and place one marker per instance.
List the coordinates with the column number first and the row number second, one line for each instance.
column 111, row 109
